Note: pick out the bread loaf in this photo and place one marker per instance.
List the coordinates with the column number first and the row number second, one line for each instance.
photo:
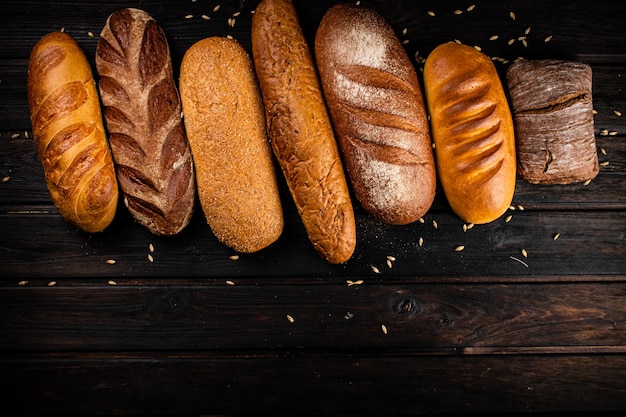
column 300, row 130
column 142, row 111
column 376, row 105
column 69, row 133
column 224, row 118
column 552, row 109
column 473, row 132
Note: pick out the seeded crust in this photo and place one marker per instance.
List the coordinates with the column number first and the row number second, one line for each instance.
column 378, row 113
column 553, row 113
column 224, row 118
column 69, row 133
column 473, row 132
column 300, row 130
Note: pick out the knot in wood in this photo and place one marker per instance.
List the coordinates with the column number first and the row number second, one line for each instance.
column 406, row 306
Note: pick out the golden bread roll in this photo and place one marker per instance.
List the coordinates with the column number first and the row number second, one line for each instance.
column 69, row 133
column 472, row 128
column 142, row 111
column 223, row 115
column 300, row 130
column 376, row 105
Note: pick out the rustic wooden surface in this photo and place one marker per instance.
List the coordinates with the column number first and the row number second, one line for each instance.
column 196, row 333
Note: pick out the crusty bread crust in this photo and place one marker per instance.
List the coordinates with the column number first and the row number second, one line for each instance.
column 553, row 114
column 473, row 132
column 378, row 113
column 143, row 115
column 237, row 184
column 300, row 130
column 69, row 133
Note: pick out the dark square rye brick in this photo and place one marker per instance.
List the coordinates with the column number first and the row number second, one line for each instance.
column 552, row 108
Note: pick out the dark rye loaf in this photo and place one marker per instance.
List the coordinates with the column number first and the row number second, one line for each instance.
column 553, row 114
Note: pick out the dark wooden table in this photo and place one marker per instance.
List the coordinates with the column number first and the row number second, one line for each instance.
column 175, row 326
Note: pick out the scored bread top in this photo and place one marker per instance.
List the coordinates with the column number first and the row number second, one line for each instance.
column 472, row 129
column 143, row 115
column 69, row 133
column 378, row 112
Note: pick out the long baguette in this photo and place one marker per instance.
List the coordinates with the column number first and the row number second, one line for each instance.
column 300, row 130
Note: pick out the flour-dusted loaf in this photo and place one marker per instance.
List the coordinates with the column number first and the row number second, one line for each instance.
column 473, row 131
column 552, row 109
column 376, row 105
column 142, row 111
column 300, row 129
column 69, row 133
column 225, row 122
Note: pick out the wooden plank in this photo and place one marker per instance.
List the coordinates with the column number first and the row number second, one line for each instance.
column 48, row 247
column 38, row 244
column 177, row 383
column 409, row 318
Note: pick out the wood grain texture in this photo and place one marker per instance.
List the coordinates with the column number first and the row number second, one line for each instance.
column 315, row 385
column 194, row 332
column 420, row 318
